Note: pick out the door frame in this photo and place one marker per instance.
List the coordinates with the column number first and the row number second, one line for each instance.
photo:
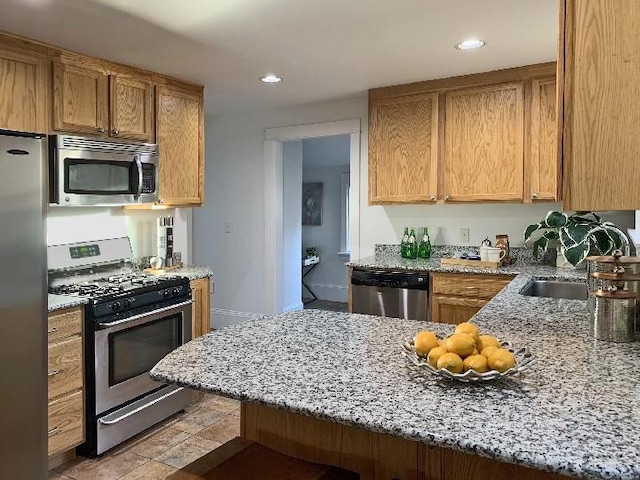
column 273, row 198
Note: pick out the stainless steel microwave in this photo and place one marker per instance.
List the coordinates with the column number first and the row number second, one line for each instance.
column 86, row 171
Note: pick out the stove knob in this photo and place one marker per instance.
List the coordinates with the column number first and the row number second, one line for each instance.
column 115, row 306
column 176, row 291
column 166, row 293
column 126, row 303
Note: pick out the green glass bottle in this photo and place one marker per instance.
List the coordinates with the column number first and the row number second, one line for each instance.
column 413, row 244
column 404, row 245
column 424, row 250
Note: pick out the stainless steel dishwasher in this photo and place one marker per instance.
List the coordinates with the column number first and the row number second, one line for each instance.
column 390, row 294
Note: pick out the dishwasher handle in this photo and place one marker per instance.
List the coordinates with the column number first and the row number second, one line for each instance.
column 375, row 278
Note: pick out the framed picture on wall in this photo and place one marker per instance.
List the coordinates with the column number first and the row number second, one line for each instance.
column 312, row 203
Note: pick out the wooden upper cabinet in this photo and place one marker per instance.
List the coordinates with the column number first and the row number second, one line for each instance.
column 543, row 145
column 89, row 99
column 23, row 90
column 131, row 108
column 600, row 87
column 484, row 136
column 403, row 149
column 79, row 99
column 179, row 134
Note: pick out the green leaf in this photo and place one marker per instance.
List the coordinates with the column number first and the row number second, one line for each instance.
column 556, row 219
column 551, row 235
column 576, row 253
column 603, row 241
column 540, row 246
column 530, row 230
column 574, row 234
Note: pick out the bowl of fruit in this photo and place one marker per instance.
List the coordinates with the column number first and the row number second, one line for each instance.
column 467, row 355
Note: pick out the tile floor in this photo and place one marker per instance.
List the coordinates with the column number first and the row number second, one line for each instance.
column 327, row 305
column 164, row 451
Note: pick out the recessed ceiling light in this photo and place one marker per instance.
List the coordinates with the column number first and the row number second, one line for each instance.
column 470, row 44
column 271, row 78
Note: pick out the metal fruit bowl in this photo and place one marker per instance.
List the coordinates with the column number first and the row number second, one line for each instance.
column 524, row 359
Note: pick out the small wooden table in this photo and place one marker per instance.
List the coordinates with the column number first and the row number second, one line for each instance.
column 308, row 264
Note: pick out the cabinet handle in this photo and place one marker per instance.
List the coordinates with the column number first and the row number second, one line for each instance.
column 116, row 131
column 446, row 197
column 53, row 330
column 52, row 431
column 100, row 129
column 53, row 373
column 160, row 201
column 534, row 195
column 433, row 198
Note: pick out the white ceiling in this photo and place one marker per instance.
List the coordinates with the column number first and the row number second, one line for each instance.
column 332, row 151
column 322, row 48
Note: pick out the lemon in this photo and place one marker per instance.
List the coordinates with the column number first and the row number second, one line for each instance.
column 475, row 362
column 424, row 341
column 486, row 351
column 469, row 329
column 451, row 362
column 461, row 344
column 435, row 354
column 501, row 360
column 487, row 341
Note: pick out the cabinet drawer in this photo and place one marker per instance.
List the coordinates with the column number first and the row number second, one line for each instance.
column 66, row 424
column 65, row 367
column 481, row 286
column 65, row 324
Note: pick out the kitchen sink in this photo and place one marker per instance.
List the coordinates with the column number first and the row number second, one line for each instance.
column 555, row 289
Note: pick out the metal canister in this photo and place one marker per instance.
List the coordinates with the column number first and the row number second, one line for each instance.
column 613, row 314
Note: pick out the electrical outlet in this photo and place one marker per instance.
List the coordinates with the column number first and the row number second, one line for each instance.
column 464, row 235
column 227, row 227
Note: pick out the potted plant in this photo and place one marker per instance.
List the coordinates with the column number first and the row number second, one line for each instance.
column 575, row 236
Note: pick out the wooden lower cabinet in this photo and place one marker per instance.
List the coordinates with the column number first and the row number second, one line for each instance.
column 200, row 310
column 456, row 297
column 66, row 428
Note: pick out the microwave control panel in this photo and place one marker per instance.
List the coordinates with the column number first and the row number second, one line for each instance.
column 148, row 178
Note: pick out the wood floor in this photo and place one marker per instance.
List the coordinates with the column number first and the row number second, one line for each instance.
column 170, row 450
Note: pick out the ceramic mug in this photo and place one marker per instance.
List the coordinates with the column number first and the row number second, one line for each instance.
column 494, row 254
column 484, row 253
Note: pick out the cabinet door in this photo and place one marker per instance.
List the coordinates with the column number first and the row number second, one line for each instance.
column 131, row 108
column 179, row 132
column 79, row 99
column 484, row 133
column 544, row 158
column 200, row 316
column 455, row 310
column 403, row 149
column 601, row 88
column 23, row 91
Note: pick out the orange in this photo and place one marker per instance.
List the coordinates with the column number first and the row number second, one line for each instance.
column 487, row 341
column 435, row 354
column 501, row 360
column 451, row 362
column 475, row 362
column 469, row 329
column 461, row 344
column 424, row 341
column 486, row 351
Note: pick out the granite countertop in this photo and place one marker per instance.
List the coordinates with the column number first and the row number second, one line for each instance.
column 60, row 302
column 575, row 412
column 193, row 272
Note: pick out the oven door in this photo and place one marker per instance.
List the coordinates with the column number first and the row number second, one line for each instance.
column 126, row 350
column 102, row 178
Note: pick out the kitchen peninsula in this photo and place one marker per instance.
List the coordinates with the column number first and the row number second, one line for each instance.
column 334, row 388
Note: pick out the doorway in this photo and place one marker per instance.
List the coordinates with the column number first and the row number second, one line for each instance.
column 284, row 256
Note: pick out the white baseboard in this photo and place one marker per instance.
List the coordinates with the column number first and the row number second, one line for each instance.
column 327, row 291
column 293, row 307
column 221, row 318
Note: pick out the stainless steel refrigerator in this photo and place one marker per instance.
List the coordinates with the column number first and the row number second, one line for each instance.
column 23, row 307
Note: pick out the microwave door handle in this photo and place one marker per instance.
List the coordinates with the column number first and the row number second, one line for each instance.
column 139, row 166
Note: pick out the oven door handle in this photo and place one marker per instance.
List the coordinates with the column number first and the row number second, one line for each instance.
column 136, row 158
column 146, row 314
column 140, row 408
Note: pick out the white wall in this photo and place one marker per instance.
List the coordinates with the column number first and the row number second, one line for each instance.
column 78, row 224
column 329, row 279
column 292, row 220
column 235, row 194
